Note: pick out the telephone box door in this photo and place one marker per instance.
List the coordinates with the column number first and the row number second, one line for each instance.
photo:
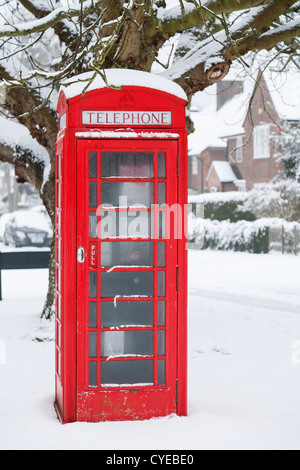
column 126, row 279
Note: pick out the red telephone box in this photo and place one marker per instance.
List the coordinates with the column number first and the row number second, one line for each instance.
column 121, row 249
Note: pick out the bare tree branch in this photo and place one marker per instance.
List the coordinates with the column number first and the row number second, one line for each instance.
column 211, row 58
column 198, row 15
column 48, row 21
column 275, row 36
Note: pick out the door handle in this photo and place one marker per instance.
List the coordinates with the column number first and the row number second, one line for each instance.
column 80, row 255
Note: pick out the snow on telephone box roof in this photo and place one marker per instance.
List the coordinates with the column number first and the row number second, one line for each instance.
column 121, row 77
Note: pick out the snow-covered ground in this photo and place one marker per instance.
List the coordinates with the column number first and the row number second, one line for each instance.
column 244, row 318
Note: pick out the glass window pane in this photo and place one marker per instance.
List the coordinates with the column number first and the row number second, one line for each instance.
column 92, row 285
column 59, row 336
column 161, row 254
column 120, row 343
column 93, row 374
column 92, row 314
column 127, row 194
column 126, row 254
column 161, row 313
column 161, row 284
column 58, row 363
column 125, row 314
column 59, row 280
column 162, row 220
column 127, row 165
column 59, row 195
column 92, row 195
column 108, row 223
column 137, row 283
column 92, row 225
column 138, row 224
column 161, row 165
column 58, row 167
column 161, row 342
column 92, row 344
column 59, row 223
column 161, row 372
column 92, row 165
column 127, row 373
column 132, row 224
column 59, row 307
column 59, row 250
column 161, row 193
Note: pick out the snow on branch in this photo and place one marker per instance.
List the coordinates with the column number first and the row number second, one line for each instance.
column 273, row 13
column 282, row 33
column 197, row 13
column 210, row 51
column 84, row 52
column 16, row 135
column 236, row 38
column 290, row 26
column 18, row 147
column 41, row 24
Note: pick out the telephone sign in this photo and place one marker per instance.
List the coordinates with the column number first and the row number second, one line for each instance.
column 127, row 118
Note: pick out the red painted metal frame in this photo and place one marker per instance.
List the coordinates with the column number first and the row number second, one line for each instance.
column 96, row 404
column 129, row 98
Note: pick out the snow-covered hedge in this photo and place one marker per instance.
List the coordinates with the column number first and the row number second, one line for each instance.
column 253, row 237
column 223, row 206
column 219, row 198
column 263, row 219
column 277, row 199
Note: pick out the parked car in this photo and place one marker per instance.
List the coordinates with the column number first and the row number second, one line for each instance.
column 28, row 228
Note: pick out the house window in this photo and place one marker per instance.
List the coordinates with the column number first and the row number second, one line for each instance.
column 239, row 149
column 195, row 166
column 262, row 142
column 241, row 185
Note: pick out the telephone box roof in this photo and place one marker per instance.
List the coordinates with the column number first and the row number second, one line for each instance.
column 121, row 77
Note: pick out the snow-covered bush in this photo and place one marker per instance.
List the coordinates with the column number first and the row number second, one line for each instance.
column 223, row 206
column 288, row 149
column 280, row 199
column 253, row 237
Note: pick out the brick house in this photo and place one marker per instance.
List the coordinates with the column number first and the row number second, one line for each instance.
column 237, row 130
column 223, row 177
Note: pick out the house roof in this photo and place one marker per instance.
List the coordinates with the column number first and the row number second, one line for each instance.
column 206, row 133
column 284, row 86
column 213, row 127
column 285, row 92
column 224, row 172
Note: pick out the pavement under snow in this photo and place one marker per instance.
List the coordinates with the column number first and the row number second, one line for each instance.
column 244, row 381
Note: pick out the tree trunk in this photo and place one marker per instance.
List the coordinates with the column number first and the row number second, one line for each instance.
column 47, row 195
column 49, row 307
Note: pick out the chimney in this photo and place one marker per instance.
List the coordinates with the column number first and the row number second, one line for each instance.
column 226, row 90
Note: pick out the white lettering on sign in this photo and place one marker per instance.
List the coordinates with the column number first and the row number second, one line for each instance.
column 125, row 118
